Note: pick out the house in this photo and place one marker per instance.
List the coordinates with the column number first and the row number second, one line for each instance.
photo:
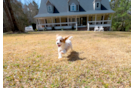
column 78, row 14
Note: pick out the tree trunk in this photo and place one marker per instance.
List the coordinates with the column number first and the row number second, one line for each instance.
column 8, row 4
column 8, row 15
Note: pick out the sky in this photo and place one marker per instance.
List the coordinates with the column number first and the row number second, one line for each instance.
column 37, row 1
column 28, row 1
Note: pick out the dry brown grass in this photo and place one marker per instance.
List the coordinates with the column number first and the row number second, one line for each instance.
column 99, row 60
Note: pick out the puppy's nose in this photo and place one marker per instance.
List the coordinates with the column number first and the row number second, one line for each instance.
column 57, row 43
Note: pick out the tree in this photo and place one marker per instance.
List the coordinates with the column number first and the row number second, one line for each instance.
column 7, row 21
column 31, row 10
column 20, row 16
column 121, row 18
column 16, row 16
column 10, row 15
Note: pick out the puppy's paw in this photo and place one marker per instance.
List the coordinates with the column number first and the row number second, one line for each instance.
column 59, row 57
column 62, row 52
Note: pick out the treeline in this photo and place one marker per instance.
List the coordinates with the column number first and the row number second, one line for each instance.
column 122, row 16
column 17, row 15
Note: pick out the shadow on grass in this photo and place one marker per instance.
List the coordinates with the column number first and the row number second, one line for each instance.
column 74, row 56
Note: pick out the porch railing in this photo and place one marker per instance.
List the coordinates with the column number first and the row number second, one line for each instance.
column 99, row 22
column 59, row 24
column 65, row 25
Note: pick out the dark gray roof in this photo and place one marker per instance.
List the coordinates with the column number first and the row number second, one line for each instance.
column 62, row 7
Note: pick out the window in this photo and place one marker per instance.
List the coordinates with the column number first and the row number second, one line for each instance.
column 45, row 20
column 49, row 8
column 91, row 18
column 101, row 17
column 97, row 4
column 73, row 7
column 78, row 21
column 73, row 19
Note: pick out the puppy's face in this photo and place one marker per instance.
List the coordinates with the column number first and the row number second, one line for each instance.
column 60, row 40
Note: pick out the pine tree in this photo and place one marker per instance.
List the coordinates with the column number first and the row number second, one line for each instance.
column 121, row 17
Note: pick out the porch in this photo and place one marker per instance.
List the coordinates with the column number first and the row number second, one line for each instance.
column 76, row 22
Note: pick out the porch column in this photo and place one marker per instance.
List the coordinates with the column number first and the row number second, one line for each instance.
column 68, row 20
column 39, row 23
column 111, row 23
column 87, row 23
column 87, row 19
column 103, row 18
column 60, row 21
column 76, row 19
column 52, row 21
column 76, row 26
column 95, row 19
column 88, row 27
column 36, row 23
column 45, row 22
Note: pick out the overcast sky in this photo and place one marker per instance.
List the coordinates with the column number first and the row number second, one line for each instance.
column 37, row 1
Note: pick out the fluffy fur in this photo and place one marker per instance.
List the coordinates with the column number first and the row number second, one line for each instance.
column 63, row 43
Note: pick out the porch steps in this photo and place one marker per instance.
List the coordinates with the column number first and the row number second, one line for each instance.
column 82, row 29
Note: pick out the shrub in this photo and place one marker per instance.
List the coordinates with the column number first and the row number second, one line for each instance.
column 73, row 27
column 36, row 30
column 45, row 29
column 53, row 28
column 62, row 29
column 34, row 26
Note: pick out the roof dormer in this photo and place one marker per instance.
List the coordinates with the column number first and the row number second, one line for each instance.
column 73, row 5
column 50, row 7
column 97, row 4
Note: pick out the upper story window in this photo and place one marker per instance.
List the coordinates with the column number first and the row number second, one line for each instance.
column 49, row 8
column 97, row 5
column 73, row 7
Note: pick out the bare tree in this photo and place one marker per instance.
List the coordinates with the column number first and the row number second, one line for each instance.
column 6, row 14
column 31, row 10
column 10, row 15
column 17, row 15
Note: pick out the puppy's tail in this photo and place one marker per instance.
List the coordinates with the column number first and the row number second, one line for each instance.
column 70, row 37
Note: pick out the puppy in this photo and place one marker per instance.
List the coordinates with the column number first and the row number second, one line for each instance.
column 63, row 43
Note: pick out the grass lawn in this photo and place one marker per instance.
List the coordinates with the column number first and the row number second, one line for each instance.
column 99, row 60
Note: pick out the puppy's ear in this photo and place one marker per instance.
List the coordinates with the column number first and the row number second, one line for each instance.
column 57, row 35
column 65, row 38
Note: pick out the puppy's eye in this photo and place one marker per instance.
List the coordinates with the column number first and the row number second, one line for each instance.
column 60, row 40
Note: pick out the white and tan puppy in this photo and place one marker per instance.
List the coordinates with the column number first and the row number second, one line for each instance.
column 63, row 43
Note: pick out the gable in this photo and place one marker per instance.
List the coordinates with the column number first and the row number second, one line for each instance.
column 73, row 1
column 48, row 3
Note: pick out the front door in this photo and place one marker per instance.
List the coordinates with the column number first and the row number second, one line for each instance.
column 83, row 20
